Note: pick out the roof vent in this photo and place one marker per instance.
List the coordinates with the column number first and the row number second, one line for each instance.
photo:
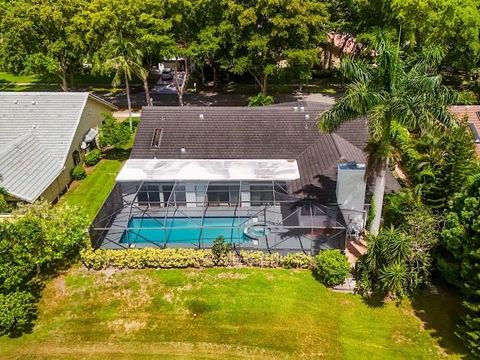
column 34, row 126
column 295, row 108
column 201, row 116
column 302, row 108
column 307, row 116
column 15, row 102
column 183, row 150
column 34, row 102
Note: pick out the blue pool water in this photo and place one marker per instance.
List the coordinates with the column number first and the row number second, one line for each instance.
column 185, row 230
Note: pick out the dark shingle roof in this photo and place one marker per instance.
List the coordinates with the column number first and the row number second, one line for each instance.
column 255, row 133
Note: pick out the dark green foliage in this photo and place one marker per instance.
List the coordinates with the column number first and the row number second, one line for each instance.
column 438, row 163
column 331, row 267
column 78, row 172
column 396, row 263
column 17, row 310
column 113, row 133
column 220, row 250
column 460, row 259
column 93, row 157
column 34, row 244
column 260, row 100
column 4, row 207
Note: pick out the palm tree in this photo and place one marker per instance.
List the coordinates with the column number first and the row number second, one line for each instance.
column 125, row 58
column 391, row 90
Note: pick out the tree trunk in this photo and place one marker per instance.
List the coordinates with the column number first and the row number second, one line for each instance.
column 215, row 78
column 181, row 87
column 129, row 103
column 378, row 193
column 63, row 78
column 263, row 87
column 147, row 91
column 71, row 79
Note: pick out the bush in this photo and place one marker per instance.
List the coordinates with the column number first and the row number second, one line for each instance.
column 331, row 267
column 184, row 258
column 17, row 310
column 93, row 157
column 114, row 133
column 78, row 173
column 260, row 100
column 220, row 250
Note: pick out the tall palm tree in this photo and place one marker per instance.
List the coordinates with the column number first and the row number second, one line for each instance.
column 391, row 89
column 125, row 58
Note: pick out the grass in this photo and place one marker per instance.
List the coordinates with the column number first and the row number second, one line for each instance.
column 12, row 82
column 217, row 314
column 91, row 192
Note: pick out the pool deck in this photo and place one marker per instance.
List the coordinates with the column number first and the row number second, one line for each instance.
column 290, row 230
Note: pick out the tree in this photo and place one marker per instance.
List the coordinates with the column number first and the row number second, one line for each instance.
column 144, row 24
column 453, row 24
column 460, row 259
column 124, row 58
column 113, row 133
column 272, row 36
column 391, row 90
column 4, row 208
column 40, row 36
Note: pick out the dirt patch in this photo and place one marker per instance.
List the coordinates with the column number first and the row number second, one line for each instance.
column 126, row 325
column 168, row 297
column 232, row 275
column 59, row 288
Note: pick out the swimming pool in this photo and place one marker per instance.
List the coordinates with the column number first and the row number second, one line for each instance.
column 185, row 230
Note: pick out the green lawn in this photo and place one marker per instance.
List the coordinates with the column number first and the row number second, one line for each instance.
column 92, row 191
column 217, row 314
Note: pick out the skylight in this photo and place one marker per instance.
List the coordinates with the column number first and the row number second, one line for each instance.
column 156, row 138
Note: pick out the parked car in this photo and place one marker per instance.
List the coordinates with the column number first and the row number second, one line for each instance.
column 167, row 74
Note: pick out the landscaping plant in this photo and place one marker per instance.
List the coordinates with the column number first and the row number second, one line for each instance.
column 78, row 172
column 331, row 267
column 93, row 157
column 260, row 100
column 113, row 134
column 220, row 250
column 395, row 265
column 38, row 241
column 460, row 259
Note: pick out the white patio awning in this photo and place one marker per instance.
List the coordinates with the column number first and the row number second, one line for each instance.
column 195, row 169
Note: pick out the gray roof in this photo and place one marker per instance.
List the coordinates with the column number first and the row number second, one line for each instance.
column 36, row 132
column 256, row 133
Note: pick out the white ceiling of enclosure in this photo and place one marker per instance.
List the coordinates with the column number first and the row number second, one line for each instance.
column 198, row 169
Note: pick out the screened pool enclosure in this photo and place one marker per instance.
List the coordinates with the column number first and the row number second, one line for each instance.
column 258, row 215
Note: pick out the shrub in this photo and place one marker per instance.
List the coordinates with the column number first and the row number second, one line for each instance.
column 93, row 157
column 260, row 100
column 220, row 250
column 17, row 310
column 184, row 258
column 113, row 133
column 78, row 173
column 331, row 267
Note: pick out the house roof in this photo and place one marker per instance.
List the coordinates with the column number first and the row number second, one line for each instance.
column 36, row 132
column 472, row 113
column 274, row 132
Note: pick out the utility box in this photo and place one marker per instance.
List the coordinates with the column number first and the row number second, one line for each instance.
column 351, row 188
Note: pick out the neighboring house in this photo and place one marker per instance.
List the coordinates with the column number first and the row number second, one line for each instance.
column 42, row 137
column 263, row 178
column 337, row 46
column 472, row 114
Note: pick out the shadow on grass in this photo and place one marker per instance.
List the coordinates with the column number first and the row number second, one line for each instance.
column 117, row 154
column 440, row 309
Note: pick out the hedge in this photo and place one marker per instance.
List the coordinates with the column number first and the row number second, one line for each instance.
column 188, row 258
